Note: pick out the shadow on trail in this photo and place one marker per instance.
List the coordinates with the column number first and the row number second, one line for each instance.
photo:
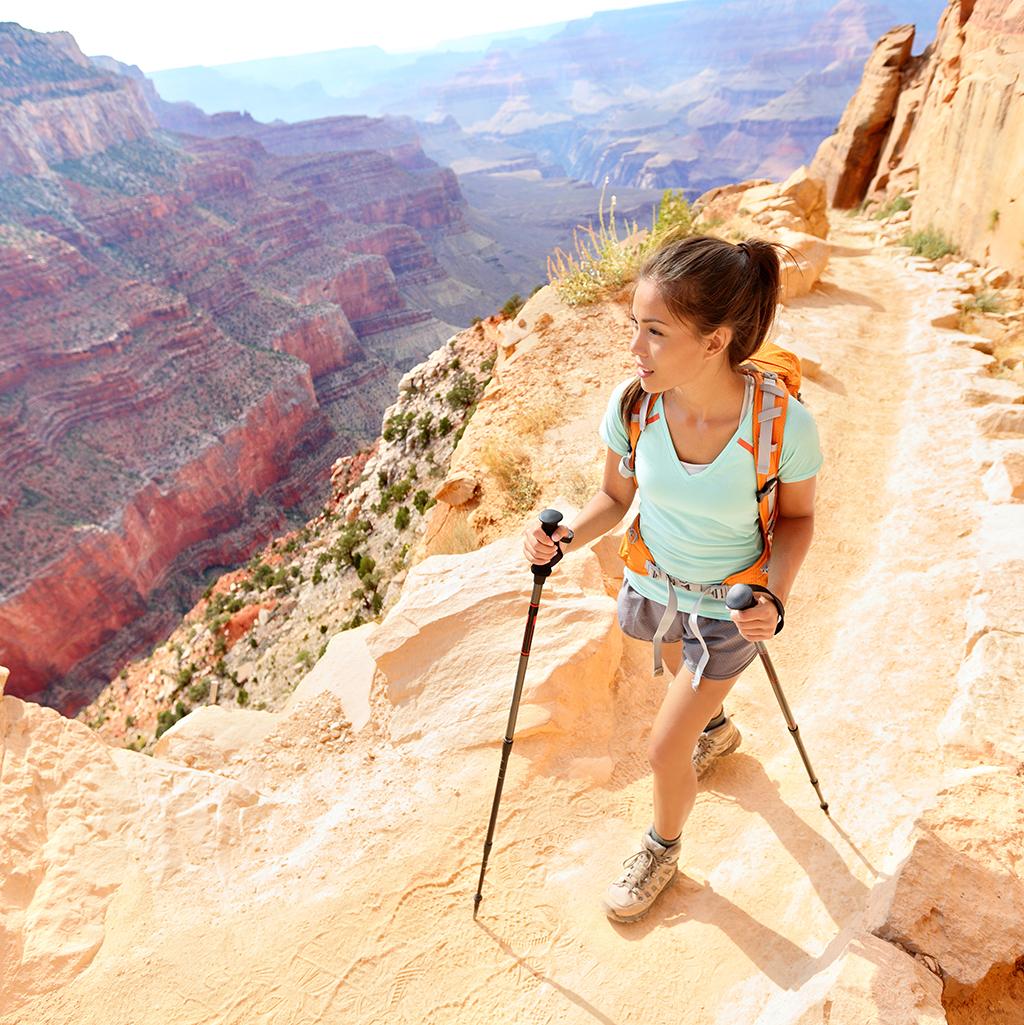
column 743, row 782
column 569, row 994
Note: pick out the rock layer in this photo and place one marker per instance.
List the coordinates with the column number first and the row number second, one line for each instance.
column 191, row 329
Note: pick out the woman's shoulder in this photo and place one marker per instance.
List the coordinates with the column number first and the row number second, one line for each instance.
column 799, row 415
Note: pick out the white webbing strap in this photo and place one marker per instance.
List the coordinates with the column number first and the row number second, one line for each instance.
column 702, row 591
column 769, row 412
column 666, row 622
column 706, row 655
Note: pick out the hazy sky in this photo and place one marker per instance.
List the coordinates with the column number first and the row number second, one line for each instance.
column 171, row 35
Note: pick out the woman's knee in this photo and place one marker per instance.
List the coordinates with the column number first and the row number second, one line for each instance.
column 671, row 754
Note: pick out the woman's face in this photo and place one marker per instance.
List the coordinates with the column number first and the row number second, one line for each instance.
column 668, row 353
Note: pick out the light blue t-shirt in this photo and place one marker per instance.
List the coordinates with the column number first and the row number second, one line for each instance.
column 702, row 527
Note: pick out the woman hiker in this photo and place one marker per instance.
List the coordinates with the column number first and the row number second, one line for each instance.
column 701, row 307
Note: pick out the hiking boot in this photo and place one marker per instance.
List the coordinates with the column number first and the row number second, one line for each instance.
column 713, row 744
column 647, row 873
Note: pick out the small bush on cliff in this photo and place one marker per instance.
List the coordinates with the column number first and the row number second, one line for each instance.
column 983, row 302
column 397, row 426
column 444, row 426
column 512, row 306
column 199, row 691
column 899, row 203
column 168, row 717
column 510, row 466
column 422, row 501
column 402, row 517
column 464, row 392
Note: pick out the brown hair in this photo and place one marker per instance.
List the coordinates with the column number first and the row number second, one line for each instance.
column 711, row 283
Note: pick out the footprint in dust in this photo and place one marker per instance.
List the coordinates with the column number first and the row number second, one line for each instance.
column 416, row 981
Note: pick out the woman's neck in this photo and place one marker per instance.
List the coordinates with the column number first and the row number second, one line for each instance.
column 712, row 397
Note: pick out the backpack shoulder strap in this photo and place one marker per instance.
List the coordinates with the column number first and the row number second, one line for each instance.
column 639, row 418
column 771, row 403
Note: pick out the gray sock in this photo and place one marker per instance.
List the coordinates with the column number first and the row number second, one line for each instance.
column 653, row 833
column 717, row 721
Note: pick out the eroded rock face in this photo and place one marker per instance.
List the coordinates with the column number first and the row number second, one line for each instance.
column 847, row 160
column 87, row 825
column 945, row 125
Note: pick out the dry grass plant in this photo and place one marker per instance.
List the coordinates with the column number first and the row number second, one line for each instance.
column 603, row 261
column 509, row 465
column 456, row 536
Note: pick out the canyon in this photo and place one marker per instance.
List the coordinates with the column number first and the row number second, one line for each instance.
column 193, row 329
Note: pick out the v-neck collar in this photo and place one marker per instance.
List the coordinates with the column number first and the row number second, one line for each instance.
column 709, row 468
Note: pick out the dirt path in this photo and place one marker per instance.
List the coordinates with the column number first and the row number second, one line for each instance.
column 345, row 909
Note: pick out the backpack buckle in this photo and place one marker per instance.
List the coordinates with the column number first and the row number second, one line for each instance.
column 766, row 488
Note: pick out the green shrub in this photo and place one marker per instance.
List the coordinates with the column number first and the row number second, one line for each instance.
column 604, row 261
column 930, row 243
column 983, row 302
column 185, row 674
column 167, row 718
column 402, row 517
column 422, row 501
column 512, row 306
column 397, row 426
column 899, row 203
column 444, row 426
column 199, row 691
column 463, row 393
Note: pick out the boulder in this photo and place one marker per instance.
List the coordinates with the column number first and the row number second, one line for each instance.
column 811, row 256
column 210, row 736
column 958, row 896
column 449, row 649
column 345, row 670
column 983, row 717
column 1004, row 481
column 457, row 488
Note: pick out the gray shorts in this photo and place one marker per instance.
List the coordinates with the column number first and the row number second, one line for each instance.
column 729, row 652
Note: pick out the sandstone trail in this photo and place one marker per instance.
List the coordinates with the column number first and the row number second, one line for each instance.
column 333, row 882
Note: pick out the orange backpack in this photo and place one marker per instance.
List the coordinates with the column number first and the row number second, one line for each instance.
column 776, row 373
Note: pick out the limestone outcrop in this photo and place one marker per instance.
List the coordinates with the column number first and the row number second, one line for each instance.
column 946, row 124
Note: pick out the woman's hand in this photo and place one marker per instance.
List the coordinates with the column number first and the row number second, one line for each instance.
column 759, row 621
column 537, row 546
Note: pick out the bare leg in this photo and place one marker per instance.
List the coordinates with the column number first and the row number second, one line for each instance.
column 672, row 656
column 683, row 715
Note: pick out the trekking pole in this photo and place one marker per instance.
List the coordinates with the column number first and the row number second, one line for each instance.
column 742, row 597
column 550, row 518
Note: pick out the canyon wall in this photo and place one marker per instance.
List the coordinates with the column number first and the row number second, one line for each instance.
column 948, row 124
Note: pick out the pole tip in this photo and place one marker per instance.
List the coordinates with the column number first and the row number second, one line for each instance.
column 476, row 904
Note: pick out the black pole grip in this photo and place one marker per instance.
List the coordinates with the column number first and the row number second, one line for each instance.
column 549, row 518
column 740, row 597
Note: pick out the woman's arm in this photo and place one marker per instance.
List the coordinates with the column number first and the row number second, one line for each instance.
column 794, row 529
